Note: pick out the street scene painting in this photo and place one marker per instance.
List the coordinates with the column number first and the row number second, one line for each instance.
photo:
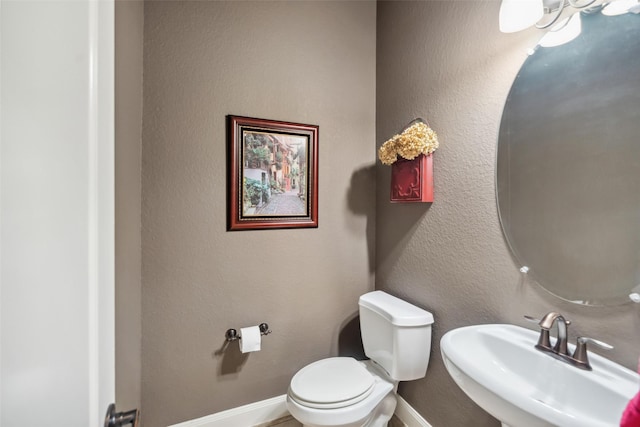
column 274, row 178
column 273, row 174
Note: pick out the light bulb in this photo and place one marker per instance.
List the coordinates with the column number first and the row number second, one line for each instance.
column 517, row 15
column 563, row 32
column 619, row 7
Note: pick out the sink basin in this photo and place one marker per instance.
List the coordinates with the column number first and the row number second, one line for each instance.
column 498, row 367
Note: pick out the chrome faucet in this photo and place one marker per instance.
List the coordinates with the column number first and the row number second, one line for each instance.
column 560, row 351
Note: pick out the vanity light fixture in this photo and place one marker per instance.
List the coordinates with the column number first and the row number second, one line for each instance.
column 517, row 15
column 563, row 32
column 621, row 7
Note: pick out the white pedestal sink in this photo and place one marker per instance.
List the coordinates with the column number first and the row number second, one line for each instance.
column 498, row 367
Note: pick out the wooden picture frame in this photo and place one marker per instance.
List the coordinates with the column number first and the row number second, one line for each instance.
column 272, row 174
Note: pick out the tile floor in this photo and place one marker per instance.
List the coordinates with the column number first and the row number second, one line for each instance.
column 289, row 421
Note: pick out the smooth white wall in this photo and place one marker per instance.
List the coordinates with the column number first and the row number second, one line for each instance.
column 56, row 217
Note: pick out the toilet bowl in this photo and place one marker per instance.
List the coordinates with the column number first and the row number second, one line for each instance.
column 345, row 392
column 341, row 391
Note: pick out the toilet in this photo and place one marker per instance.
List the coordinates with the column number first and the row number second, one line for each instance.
column 345, row 392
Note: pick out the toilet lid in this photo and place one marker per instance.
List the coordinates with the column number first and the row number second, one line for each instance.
column 332, row 383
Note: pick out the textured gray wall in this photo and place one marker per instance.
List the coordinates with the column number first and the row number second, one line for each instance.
column 129, row 21
column 307, row 62
column 447, row 62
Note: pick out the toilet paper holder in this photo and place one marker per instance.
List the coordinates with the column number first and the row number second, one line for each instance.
column 232, row 334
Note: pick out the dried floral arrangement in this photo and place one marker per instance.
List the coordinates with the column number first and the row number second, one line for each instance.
column 416, row 139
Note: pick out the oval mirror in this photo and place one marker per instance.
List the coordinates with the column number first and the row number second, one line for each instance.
column 568, row 163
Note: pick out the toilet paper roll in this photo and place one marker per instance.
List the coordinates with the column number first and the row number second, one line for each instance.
column 251, row 339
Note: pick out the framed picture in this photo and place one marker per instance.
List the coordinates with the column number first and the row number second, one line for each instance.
column 273, row 174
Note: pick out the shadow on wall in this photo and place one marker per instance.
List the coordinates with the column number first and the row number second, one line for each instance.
column 350, row 340
column 397, row 221
column 361, row 201
column 232, row 358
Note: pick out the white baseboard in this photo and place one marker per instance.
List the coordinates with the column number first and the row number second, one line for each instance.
column 243, row 416
column 408, row 415
column 274, row 408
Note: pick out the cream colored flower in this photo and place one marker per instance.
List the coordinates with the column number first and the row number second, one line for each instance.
column 415, row 140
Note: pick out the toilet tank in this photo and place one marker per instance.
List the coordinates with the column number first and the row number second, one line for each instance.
column 396, row 335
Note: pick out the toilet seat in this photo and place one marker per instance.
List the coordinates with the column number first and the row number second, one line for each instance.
column 336, row 382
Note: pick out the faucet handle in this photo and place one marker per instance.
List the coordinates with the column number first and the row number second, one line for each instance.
column 584, row 340
column 531, row 319
column 580, row 354
column 543, row 340
column 598, row 343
